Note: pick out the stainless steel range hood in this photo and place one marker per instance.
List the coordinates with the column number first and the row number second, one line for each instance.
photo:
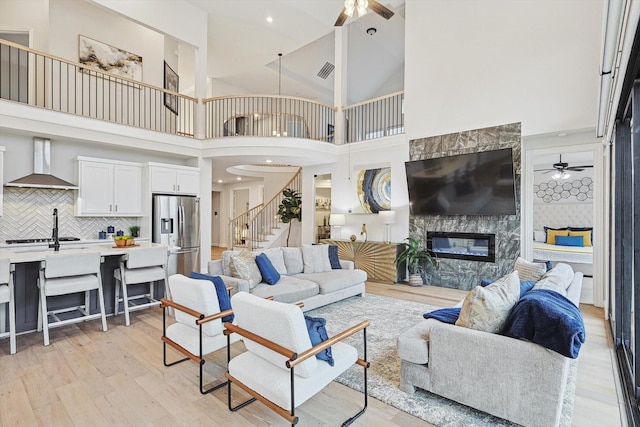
column 41, row 176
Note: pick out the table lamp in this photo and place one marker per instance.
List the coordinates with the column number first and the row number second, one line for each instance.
column 388, row 218
column 337, row 220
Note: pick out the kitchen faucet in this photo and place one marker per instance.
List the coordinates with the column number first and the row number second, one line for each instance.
column 56, row 242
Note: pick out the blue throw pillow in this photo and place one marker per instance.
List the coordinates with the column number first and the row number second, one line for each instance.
column 221, row 290
column 570, row 240
column 318, row 334
column 333, row 257
column 525, row 285
column 549, row 265
column 269, row 273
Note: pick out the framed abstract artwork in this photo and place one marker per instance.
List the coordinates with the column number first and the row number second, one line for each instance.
column 373, row 187
column 171, row 83
column 100, row 56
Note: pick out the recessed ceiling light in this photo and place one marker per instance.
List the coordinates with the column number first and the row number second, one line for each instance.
column 562, row 134
column 269, row 19
column 239, row 178
column 268, row 161
column 220, row 181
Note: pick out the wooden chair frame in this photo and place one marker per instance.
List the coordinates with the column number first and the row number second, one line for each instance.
column 200, row 320
column 293, row 360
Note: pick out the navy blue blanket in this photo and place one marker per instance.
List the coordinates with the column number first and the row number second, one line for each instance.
column 446, row 315
column 547, row 318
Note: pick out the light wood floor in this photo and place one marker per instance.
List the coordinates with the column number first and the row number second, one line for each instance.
column 89, row 377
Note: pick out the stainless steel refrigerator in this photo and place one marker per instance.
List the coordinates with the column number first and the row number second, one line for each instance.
column 176, row 224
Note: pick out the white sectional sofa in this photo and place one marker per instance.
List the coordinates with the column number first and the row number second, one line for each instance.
column 510, row 378
column 319, row 285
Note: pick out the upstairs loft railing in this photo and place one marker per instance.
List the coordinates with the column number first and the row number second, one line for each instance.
column 46, row 81
column 375, row 118
column 268, row 115
column 252, row 228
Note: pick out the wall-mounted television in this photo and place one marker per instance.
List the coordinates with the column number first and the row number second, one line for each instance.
column 480, row 183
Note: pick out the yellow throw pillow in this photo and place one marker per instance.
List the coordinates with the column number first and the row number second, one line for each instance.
column 551, row 235
column 586, row 235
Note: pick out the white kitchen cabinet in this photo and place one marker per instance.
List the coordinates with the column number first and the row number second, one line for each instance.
column 173, row 179
column 108, row 188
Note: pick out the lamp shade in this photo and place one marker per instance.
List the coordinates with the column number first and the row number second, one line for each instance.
column 337, row 219
column 388, row 217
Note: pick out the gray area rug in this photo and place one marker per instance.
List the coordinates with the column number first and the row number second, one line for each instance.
column 388, row 318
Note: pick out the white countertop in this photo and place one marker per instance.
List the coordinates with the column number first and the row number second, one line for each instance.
column 37, row 252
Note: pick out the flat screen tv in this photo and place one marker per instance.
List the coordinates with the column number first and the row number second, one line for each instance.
column 465, row 184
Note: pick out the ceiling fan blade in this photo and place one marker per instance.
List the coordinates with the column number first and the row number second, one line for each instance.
column 341, row 18
column 380, row 9
column 544, row 170
column 579, row 168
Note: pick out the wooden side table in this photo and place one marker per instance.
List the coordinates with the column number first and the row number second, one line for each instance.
column 378, row 259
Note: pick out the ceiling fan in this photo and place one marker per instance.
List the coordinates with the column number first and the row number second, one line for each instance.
column 561, row 169
column 360, row 6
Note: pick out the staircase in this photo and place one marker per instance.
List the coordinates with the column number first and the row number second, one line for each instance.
column 260, row 225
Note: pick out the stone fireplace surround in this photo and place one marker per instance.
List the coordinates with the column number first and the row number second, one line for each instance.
column 466, row 274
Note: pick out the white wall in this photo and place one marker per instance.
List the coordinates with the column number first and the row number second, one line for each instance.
column 70, row 18
column 30, row 15
column 472, row 64
column 391, row 151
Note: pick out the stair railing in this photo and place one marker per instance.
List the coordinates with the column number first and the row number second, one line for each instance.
column 251, row 228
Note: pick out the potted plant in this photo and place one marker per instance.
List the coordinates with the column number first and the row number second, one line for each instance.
column 290, row 208
column 417, row 257
column 134, row 230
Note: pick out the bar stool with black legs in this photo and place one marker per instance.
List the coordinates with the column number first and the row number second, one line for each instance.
column 7, row 296
column 137, row 267
column 69, row 273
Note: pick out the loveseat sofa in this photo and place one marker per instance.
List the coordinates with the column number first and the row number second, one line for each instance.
column 306, row 275
column 510, row 378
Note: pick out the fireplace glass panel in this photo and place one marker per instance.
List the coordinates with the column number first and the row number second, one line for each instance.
column 466, row 246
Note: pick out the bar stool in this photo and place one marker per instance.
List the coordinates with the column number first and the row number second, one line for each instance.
column 140, row 266
column 7, row 297
column 62, row 274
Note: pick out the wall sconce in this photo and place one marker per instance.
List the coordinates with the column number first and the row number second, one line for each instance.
column 388, row 218
column 337, row 220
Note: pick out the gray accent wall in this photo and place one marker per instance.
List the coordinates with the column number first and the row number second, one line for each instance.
column 462, row 274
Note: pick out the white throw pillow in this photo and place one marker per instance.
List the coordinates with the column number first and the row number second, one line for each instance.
column 243, row 266
column 316, row 258
column 539, row 236
column 276, row 257
column 557, row 279
column 486, row 308
column 528, row 270
column 293, row 260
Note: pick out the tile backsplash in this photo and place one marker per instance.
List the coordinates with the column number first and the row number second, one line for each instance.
column 28, row 213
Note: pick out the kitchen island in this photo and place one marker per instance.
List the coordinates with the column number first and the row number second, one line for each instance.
column 26, row 261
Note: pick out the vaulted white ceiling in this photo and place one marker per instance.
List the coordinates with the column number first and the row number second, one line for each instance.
column 243, row 48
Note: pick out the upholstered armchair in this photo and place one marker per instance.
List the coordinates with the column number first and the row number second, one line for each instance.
column 198, row 328
column 280, row 367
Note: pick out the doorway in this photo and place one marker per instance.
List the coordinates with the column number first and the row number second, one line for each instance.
column 215, row 219
column 15, row 64
column 323, row 207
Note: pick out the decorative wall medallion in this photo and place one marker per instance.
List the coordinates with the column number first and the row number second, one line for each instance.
column 581, row 189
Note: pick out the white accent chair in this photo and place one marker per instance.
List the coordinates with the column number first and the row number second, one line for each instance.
column 7, row 296
column 68, row 273
column 198, row 329
column 140, row 266
column 279, row 367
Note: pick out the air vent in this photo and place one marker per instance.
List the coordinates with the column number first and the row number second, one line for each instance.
column 326, row 69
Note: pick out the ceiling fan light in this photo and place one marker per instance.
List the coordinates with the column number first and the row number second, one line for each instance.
column 556, row 175
column 566, row 175
column 362, row 7
column 349, row 11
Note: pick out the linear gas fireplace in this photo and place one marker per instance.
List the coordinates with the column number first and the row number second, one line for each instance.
column 467, row 246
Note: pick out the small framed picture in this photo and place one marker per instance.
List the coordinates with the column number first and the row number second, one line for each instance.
column 170, row 83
